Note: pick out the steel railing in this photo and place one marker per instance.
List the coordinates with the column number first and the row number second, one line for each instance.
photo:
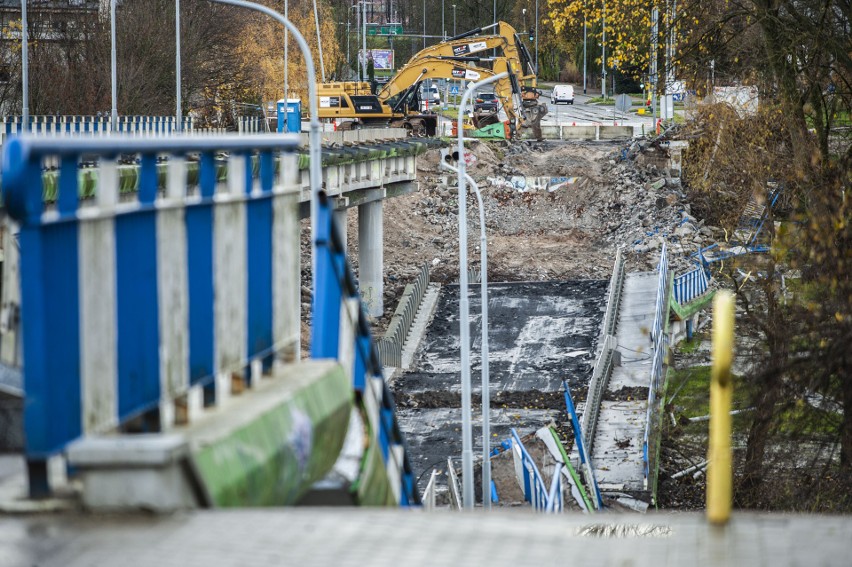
column 536, row 492
column 660, row 343
column 690, row 285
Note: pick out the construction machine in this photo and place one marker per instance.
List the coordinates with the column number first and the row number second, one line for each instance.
column 399, row 104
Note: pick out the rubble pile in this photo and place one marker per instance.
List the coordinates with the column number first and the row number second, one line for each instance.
column 605, row 195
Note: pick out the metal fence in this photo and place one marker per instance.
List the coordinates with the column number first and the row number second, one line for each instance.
column 340, row 330
column 690, row 285
column 603, row 364
column 535, row 490
column 120, row 317
column 102, row 126
column 390, row 346
column 660, row 342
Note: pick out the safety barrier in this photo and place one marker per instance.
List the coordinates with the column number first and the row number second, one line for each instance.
column 690, row 285
column 603, row 364
column 102, row 126
column 340, row 330
column 429, row 492
column 658, row 361
column 535, row 491
column 390, row 346
column 155, row 307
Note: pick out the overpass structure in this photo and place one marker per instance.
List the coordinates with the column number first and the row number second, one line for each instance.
column 161, row 320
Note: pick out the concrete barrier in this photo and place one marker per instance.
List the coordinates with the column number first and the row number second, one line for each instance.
column 615, row 132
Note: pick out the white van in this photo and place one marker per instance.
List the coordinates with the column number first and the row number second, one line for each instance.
column 562, row 93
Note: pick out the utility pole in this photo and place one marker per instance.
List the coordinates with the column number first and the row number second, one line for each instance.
column 319, row 42
column 424, row 24
column 178, row 112
column 286, row 63
column 655, row 18
column 536, row 37
column 364, row 37
column 603, row 54
column 584, row 54
column 114, row 87
column 25, row 73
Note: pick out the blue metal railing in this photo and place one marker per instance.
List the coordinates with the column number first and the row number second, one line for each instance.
column 340, row 330
column 690, row 285
column 660, row 342
column 535, row 490
column 118, row 304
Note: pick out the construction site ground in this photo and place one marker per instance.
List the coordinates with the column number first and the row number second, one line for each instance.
column 555, row 212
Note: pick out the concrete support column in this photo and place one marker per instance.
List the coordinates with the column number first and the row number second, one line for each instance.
column 340, row 219
column 371, row 256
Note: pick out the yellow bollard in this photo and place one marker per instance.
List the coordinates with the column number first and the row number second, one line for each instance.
column 719, row 465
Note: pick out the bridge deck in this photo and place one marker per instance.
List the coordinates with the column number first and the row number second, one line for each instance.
column 617, row 451
column 311, row 536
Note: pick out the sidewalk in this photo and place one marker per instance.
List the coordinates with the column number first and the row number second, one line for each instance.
column 308, row 537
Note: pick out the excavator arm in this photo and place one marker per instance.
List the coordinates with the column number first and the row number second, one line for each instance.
column 401, row 91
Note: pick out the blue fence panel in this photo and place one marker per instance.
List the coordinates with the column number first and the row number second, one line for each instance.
column 339, row 330
column 690, row 285
column 117, row 302
column 536, row 492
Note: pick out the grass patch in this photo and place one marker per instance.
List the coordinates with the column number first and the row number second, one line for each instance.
column 599, row 100
column 689, row 347
column 691, row 390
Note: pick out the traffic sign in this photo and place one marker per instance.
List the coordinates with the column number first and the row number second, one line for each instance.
column 623, row 102
column 454, row 90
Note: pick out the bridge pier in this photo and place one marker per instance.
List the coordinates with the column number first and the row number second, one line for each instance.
column 371, row 256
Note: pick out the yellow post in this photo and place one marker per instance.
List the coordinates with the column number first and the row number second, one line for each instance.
column 719, row 466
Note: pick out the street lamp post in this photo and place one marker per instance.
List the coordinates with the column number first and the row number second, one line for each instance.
column 454, row 20
column 443, row 26
column 584, row 54
column 114, row 88
column 603, row 54
column 536, row 37
column 178, row 112
column 464, row 314
column 25, row 73
column 486, row 386
column 424, row 24
column 314, row 147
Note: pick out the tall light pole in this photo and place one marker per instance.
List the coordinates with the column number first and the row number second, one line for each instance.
column 315, row 149
column 25, row 72
column 603, row 54
column 454, row 19
column 584, row 53
column 178, row 113
column 443, row 27
column 364, row 37
column 464, row 311
column 536, row 37
column 114, row 113
column 286, row 64
column 486, row 386
column 319, row 41
column 424, row 24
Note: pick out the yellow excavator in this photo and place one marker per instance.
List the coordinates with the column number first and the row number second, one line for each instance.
column 352, row 105
column 401, row 93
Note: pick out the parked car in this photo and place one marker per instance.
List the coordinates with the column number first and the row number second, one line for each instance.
column 486, row 102
column 562, row 93
column 430, row 95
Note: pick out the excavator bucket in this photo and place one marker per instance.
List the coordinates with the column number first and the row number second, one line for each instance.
column 494, row 131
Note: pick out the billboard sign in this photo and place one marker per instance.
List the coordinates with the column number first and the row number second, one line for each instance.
column 382, row 58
